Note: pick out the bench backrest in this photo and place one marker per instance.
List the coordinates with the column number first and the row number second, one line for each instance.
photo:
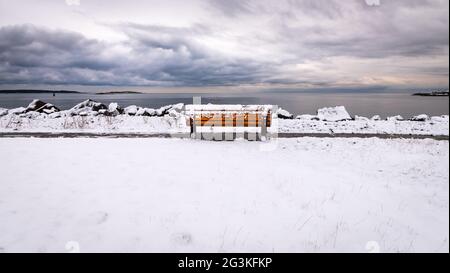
column 230, row 115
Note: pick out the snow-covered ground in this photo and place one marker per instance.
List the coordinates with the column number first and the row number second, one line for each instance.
column 306, row 195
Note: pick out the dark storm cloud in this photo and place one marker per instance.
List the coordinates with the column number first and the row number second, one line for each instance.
column 28, row 46
column 158, row 56
column 176, row 57
column 29, row 54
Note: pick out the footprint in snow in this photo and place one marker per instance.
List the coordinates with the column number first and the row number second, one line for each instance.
column 182, row 238
column 96, row 218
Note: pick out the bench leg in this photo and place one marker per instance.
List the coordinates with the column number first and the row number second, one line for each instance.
column 264, row 129
column 195, row 134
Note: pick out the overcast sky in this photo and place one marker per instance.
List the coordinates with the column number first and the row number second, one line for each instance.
column 224, row 44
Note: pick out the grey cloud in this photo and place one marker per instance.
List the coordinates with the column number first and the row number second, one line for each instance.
column 395, row 28
column 231, row 7
column 28, row 46
column 301, row 31
column 159, row 56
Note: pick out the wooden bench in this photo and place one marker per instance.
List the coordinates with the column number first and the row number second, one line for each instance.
column 227, row 122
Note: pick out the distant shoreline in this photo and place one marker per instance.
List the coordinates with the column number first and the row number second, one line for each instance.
column 118, row 92
column 432, row 94
column 37, row 91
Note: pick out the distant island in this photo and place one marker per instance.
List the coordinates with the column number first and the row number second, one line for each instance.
column 432, row 94
column 118, row 92
column 37, row 91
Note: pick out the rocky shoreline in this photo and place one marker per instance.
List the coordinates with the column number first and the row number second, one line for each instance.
column 95, row 117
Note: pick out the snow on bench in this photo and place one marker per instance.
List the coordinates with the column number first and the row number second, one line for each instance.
column 220, row 118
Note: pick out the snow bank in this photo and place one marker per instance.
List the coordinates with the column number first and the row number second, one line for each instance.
column 440, row 119
column 3, row 112
column 365, row 126
column 307, row 117
column 359, row 118
column 17, row 111
column 91, row 116
column 338, row 113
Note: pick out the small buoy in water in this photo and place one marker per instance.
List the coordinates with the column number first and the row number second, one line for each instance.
column 53, row 94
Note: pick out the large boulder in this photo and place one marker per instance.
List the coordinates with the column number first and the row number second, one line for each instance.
column 87, row 107
column 41, row 107
column 131, row 110
column 114, row 109
column 422, row 118
column 338, row 113
column 284, row 114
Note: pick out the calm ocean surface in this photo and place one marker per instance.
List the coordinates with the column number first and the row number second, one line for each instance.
column 363, row 104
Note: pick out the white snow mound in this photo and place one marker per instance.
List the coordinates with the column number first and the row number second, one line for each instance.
column 422, row 117
column 395, row 118
column 338, row 113
column 3, row 112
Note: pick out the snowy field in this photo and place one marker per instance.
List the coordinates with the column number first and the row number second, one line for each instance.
column 164, row 195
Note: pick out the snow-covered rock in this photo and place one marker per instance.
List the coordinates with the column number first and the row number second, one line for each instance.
column 395, row 118
column 114, row 109
column 87, row 107
column 284, row 114
column 35, row 104
column 440, row 119
column 422, row 117
column 3, row 111
column 141, row 111
column 86, row 113
column 17, row 111
column 113, row 106
column 42, row 107
column 31, row 115
column 376, row 118
column 178, row 107
column 307, row 117
column 56, row 114
column 360, row 118
column 131, row 110
column 174, row 113
column 163, row 110
column 150, row 112
column 338, row 113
